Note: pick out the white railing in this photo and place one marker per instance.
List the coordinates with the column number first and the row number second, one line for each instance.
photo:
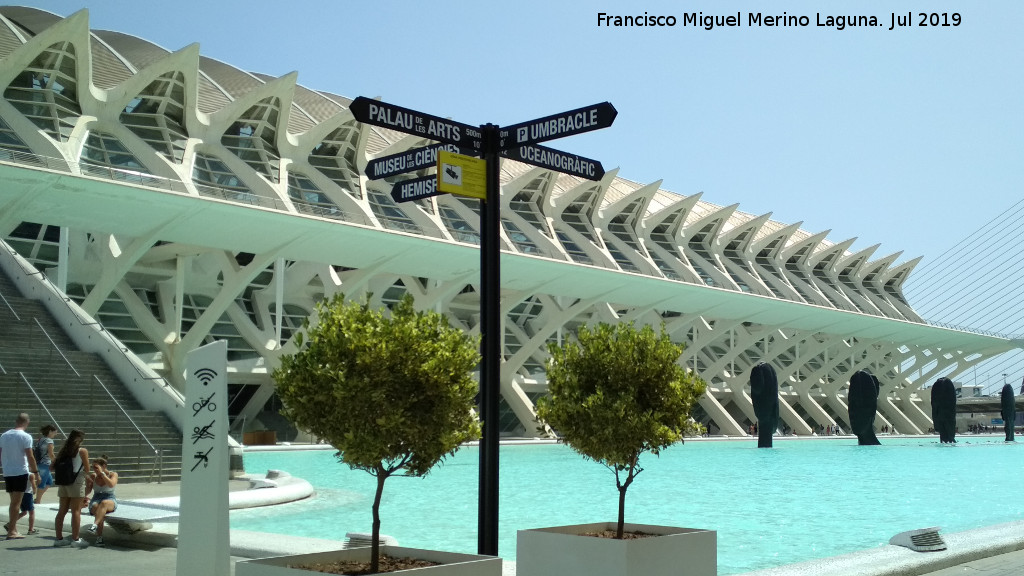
column 41, row 403
column 56, row 347
column 158, row 460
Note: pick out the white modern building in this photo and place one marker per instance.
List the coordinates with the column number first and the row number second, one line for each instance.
column 180, row 200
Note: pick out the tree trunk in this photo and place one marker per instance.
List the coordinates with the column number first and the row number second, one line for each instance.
column 622, row 512
column 375, row 531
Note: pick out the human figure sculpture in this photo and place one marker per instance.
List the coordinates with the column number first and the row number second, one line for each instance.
column 764, row 392
column 1009, row 411
column 863, row 405
column 944, row 410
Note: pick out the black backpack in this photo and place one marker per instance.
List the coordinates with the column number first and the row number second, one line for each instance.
column 38, row 451
column 64, row 473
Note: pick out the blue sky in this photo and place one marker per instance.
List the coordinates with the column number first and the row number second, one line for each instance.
column 910, row 138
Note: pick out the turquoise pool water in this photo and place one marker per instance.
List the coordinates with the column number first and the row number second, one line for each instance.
column 800, row 500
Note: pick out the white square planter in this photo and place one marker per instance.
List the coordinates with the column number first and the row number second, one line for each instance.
column 562, row 551
column 451, row 563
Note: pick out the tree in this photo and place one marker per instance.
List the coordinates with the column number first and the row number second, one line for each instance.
column 617, row 392
column 393, row 394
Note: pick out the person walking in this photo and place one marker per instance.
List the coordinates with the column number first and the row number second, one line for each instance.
column 28, row 506
column 103, row 501
column 44, row 448
column 72, row 495
column 18, row 463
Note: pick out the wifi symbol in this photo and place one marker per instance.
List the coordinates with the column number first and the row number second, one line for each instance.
column 205, row 375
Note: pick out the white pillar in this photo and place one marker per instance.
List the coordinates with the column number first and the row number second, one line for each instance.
column 278, row 298
column 62, row 260
column 179, row 293
column 204, row 543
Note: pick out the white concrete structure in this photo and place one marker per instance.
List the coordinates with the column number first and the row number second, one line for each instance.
column 180, row 200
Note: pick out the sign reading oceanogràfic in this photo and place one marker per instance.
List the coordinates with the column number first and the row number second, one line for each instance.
column 594, row 117
column 556, row 160
column 415, row 189
column 415, row 159
column 416, row 123
column 462, row 175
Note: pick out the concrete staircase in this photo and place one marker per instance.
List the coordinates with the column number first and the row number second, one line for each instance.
column 77, row 400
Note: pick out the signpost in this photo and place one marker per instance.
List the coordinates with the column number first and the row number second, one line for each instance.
column 415, row 159
column 594, row 117
column 459, row 173
column 415, row 189
column 416, row 123
column 555, row 160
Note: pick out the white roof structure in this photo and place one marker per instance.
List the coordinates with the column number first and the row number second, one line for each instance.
column 198, row 201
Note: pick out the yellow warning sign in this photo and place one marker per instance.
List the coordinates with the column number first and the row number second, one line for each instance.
column 461, row 174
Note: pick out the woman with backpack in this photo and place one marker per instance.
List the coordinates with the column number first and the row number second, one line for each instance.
column 44, row 456
column 71, row 487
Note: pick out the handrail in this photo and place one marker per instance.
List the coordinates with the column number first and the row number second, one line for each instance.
column 41, row 403
column 9, row 307
column 971, row 330
column 57, row 348
column 102, row 330
column 232, row 427
column 159, row 460
column 134, row 177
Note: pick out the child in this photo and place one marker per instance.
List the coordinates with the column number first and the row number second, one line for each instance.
column 28, row 506
column 44, row 457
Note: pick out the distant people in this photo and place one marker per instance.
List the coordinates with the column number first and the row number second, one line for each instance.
column 103, row 502
column 72, row 495
column 18, row 464
column 28, row 506
column 44, row 457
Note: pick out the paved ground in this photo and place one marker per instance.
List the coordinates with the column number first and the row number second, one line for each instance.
column 1010, row 564
column 36, row 555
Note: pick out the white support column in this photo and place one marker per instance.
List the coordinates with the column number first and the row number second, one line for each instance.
column 278, row 299
column 726, row 423
column 62, row 260
column 789, row 416
column 182, row 265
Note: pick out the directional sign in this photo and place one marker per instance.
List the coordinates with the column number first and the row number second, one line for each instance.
column 462, row 175
column 415, row 159
column 416, row 123
column 556, row 160
column 415, row 189
column 561, row 125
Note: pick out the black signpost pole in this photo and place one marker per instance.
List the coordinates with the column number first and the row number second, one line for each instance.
column 490, row 329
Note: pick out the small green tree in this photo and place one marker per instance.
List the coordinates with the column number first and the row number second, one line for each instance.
column 394, row 394
column 617, row 392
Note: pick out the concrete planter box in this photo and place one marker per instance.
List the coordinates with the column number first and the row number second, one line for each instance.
column 562, row 551
column 452, row 563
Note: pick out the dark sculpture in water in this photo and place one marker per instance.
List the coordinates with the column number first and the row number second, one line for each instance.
column 764, row 392
column 863, row 405
column 1009, row 411
column 944, row 410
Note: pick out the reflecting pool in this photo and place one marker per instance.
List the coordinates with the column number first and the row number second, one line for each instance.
column 802, row 499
